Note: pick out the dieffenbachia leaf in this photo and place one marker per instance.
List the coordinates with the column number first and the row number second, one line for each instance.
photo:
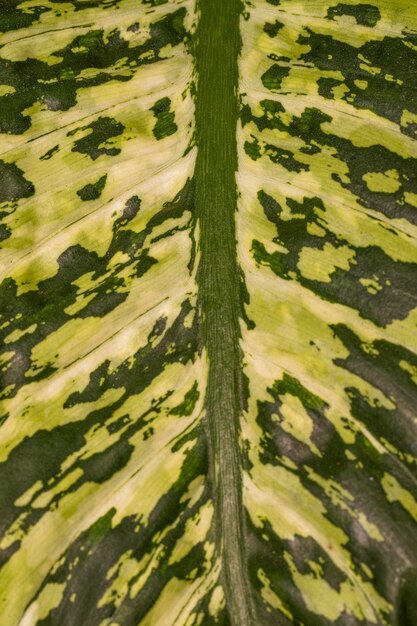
column 208, row 313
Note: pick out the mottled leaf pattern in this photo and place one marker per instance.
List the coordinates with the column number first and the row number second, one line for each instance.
column 150, row 424
column 105, row 509
column 327, row 243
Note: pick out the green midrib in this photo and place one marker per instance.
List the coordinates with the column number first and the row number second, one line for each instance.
column 217, row 50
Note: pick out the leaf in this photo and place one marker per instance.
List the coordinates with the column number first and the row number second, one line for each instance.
column 208, row 306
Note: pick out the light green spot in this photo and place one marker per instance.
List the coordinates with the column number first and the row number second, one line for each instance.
column 382, row 182
column 362, row 84
column 319, row 265
column 396, row 493
column 297, row 421
column 6, row 89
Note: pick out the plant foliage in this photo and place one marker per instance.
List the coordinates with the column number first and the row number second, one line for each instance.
column 208, row 313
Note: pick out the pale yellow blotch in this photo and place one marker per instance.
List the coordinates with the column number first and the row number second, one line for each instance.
column 194, row 491
column 342, row 498
column 118, row 259
column 372, row 285
column 367, row 67
column 80, row 303
column 217, row 600
column 15, row 532
column 49, row 598
column 6, row 89
column 408, row 117
column 368, row 347
column 382, row 182
column 148, row 564
column 175, row 605
column 189, row 319
column 362, row 84
column 43, row 544
column 17, row 334
column 411, row 369
column 319, row 265
column 169, row 605
column 404, row 331
column 314, row 229
column 195, row 532
column 350, row 597
column 277, row 495
column 297, row 421
column 411, row 198
column 5, row 358
column 391, row 79
column 340, row 91
column 44, row 498
column 404, row 456
column 26, row 497
column 396, row 493
column 304, row 80
column 126, row 569
column 270, row 596
column 367, row 570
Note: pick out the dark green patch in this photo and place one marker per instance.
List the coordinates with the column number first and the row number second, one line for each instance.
column 273, row 29
column 55, row 85
column 360, row 477
column 379, row 364
column 46, row 304
column 393, row 57
column 103, row 465
column 274, row 76
column 92, row 191
column 14, row 18
column 364, row 14
column 358, row 160
column 275, row 154
column 396, row 295
column 186, row 407
column 130, row 211
column 87, row 568
column 291, row 385
column 100, row 528
column 50, row 153
column 253, row 149
column 276, row 440
column 13, row 183
column 165, row 124
column 80, row 5
column 407, row 601
column 94, row 142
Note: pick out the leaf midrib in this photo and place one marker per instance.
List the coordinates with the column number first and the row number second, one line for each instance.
column 217, row 50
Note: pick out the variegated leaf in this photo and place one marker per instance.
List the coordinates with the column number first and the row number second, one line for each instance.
column 208, row 313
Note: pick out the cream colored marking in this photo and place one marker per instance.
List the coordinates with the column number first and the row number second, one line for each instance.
column 297, row 421
column 316, row 264
column 396, row 493
column 382, row 182
column 217, row 601
column 195, row 532
column 49, row 598
column 270, row 596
